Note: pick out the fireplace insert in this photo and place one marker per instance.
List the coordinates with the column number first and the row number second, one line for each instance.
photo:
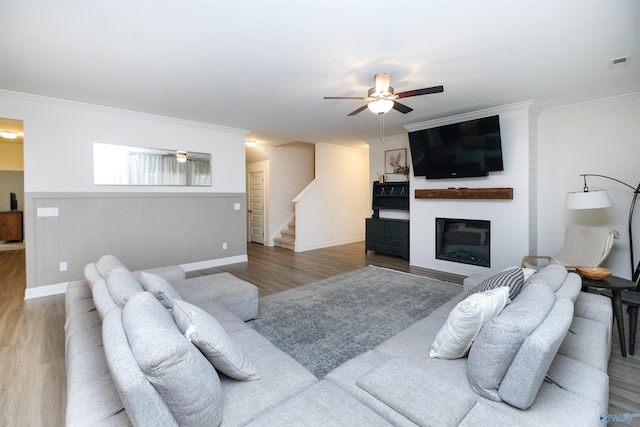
column 467, row 241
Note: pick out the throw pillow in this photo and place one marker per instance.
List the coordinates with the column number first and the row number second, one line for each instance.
column 465, row 322
column 107, row 263
column 206, row 333
column 160, row 288
column 512, row 277
column 496, row 345
column 183, row 377
column 122, row 285
column 141, row 400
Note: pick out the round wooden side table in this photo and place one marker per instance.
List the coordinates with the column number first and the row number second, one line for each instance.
column 616, row 285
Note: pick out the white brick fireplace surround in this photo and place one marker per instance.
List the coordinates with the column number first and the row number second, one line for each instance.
column 513, row 222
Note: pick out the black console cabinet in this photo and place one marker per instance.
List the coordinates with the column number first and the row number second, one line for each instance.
column 386, row 235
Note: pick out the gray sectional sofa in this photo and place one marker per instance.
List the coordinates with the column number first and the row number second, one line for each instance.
column 542, row 360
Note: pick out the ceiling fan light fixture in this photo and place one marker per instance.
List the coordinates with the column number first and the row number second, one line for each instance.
column 380, row 106
column 181, row 156
column 8, row 134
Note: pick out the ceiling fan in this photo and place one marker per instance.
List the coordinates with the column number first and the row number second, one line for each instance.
column 383, row 99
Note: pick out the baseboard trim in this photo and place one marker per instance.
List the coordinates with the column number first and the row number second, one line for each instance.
column 46, row 290
column 61, row 288
column 201, row 265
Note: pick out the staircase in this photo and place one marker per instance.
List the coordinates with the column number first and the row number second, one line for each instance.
column 287, row 239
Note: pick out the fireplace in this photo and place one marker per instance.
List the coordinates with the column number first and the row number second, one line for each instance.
column 467, row 241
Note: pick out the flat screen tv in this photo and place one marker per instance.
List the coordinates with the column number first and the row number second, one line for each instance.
column 459, row 150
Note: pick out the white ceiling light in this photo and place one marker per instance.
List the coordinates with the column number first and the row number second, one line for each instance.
column 8, row 134
column 181, row 156
column 380, row 106
column 250, row 143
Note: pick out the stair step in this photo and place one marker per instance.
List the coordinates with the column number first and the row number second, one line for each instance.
column 292, row 224
column 289, row 233
column 285, row 242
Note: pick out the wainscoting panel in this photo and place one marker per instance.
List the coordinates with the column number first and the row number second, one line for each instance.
column 145, row 230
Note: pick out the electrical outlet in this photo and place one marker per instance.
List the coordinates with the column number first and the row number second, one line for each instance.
column 236, row 206
column 224, row 245
column 47, row 212
column 63, row 266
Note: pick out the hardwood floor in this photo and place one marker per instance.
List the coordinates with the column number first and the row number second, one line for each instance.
column 274, row 269
column 32, row 371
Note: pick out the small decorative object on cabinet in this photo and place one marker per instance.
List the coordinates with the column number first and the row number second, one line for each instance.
column 11, row 226
column 386, row 235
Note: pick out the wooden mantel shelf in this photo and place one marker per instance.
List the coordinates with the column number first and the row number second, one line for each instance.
column 503, row 193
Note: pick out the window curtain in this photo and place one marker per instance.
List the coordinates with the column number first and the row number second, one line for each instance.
column 150, row 169
column 198, row 172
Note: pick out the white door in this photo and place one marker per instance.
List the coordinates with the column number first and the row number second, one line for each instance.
column 256, row 207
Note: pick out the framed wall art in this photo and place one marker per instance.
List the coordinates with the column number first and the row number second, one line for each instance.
column 395, row 161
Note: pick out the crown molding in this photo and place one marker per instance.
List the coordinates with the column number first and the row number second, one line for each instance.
column 112, row 110
column 468, row 116
column 595, row 103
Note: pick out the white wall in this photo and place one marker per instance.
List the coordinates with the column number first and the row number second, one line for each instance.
column 510, row 219
column 59, row 139
column 58, row 157
column 599, row 137
column 332, row 209
column 291, row 168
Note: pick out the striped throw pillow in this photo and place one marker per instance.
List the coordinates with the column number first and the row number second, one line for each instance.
column 513, row 278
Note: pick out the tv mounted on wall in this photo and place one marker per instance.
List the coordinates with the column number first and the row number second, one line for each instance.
column 466, row 149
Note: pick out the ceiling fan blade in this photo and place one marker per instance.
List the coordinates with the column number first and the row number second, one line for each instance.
column 416, row 92
column 353, row 113
column 402, row 108
column 382, row 82
column 344, row 97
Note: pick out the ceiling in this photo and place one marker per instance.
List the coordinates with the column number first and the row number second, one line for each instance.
column 264, row 66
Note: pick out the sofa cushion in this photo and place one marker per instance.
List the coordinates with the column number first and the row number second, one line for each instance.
column 570, row 288
column 239, row 296
column 499, row 340
column 107, row 263
column 578, row 344
column 92, row 398
column 465, row 321
column 142, row 402
column 526, row 373
column 206, row 333
column 282, row 378
column 552, row 275
column 159, row 288
column 122, row 285
column 408, row 389
column 321, row 405
column 102, row 298
column 187, row 382
column 512, row 277
column 91, row 273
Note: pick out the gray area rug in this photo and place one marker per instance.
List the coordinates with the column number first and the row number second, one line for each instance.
column 326, row 323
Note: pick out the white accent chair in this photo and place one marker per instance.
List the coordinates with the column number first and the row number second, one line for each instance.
column 583, row 245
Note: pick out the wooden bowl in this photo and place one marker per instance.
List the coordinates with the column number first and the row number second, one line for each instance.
column 594, row 273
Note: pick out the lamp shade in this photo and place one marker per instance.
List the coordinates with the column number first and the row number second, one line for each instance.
column 380, row 106
column 588, row 200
